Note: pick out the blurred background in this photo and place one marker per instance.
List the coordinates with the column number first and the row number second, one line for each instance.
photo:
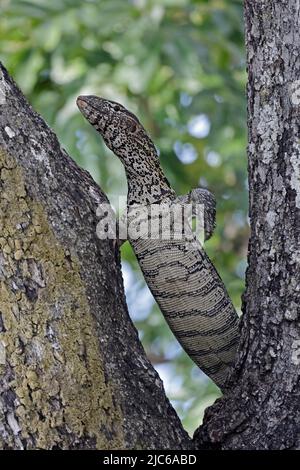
column 180, row 66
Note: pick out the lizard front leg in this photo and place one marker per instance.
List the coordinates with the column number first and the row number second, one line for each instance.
column 203, row 204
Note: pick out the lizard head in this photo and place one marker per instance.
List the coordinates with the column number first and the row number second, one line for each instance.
column 121, row 130
column 123, row 133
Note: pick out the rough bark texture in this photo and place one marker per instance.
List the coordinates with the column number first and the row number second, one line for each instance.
column 262, row 408
column 72, row 371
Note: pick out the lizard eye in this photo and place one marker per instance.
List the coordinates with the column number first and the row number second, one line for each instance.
column 117, row 108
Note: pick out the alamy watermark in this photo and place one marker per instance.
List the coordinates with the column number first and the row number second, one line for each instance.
column 152, row 222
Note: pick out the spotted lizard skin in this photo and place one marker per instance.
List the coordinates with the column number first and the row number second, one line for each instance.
column 181, row 277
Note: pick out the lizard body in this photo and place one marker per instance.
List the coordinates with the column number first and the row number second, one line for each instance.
column 182, row 279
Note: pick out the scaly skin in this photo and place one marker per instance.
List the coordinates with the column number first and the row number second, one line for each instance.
column 180, row 275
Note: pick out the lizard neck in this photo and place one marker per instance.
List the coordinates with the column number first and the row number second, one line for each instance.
column 147, row 185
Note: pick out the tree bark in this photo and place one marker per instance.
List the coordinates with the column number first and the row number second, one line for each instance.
column 261, row 410
column 73, row 372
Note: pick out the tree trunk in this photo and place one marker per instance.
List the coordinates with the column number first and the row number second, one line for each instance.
column 262, row 408
column 73, row 372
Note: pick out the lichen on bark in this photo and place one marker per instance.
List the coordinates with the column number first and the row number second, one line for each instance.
column 47, row 332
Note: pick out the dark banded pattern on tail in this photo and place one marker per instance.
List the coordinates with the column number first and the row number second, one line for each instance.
column 193, row 299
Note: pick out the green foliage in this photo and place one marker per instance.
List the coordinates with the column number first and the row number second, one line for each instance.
column 180, row 66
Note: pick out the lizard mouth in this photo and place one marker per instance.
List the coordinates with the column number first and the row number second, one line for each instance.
column 90, row 111
column 84, row 103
